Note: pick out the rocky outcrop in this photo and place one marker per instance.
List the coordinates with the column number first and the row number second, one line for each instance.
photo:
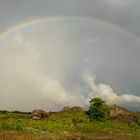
column 39, row 114
column 72, row 109
column 121, row 114
column 117, row 110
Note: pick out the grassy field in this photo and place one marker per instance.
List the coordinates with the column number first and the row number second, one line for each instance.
column 62, row 125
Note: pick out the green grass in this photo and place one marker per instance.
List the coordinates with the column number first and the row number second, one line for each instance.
column 61, row 122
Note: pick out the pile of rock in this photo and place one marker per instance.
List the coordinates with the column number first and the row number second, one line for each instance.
column 39, row 114
column 121, row 114
column 72, row 109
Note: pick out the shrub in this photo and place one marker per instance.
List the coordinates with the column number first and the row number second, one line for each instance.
column 136, row 123
column 98, row 110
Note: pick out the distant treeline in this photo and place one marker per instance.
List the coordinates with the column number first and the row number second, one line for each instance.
column 18, row 112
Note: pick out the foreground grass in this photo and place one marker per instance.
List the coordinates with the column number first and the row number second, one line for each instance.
column 62, row 125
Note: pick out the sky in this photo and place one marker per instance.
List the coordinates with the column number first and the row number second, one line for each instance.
column 55, row 62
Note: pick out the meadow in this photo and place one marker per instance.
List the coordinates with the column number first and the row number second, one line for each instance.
column 62, row 125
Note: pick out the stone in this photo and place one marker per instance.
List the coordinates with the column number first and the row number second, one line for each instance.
column 39, row 114
column 121, row 114
column 72, row 109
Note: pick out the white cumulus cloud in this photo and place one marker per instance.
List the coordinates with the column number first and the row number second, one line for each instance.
column 106, row 92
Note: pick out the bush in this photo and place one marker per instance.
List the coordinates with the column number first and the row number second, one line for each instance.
column 98, row 109
column 136, row 123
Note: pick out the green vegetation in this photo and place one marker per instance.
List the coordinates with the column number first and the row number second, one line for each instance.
column 60, row 122
column 136, row 123
column 98, row 110
column 79, row 124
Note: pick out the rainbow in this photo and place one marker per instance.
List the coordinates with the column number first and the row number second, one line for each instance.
column 43, row 19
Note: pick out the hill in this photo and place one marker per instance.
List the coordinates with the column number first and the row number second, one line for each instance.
column 69, row 125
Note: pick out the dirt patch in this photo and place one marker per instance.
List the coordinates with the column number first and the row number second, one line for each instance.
column 64, row 136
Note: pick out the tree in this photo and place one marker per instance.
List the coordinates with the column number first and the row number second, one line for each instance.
column 98, row 110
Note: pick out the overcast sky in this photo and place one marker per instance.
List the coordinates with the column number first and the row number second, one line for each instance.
column 125, row 13
column 65, row 62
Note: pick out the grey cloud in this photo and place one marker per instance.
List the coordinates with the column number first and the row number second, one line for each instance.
column 125, row 13
column 43, row 65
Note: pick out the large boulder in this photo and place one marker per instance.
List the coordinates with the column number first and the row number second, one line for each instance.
column 121, row 114
column 39, row 114
column 119, row 111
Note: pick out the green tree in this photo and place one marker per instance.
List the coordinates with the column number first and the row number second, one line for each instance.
column 98, row 110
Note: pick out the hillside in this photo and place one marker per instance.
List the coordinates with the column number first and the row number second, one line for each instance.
column 62, row 125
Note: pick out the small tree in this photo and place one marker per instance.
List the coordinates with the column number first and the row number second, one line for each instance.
column 98, row 110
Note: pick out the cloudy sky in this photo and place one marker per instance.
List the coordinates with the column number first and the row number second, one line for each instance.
column 57, row 61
